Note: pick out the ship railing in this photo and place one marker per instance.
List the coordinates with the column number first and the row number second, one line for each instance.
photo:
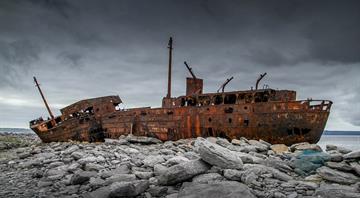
column 323, row 105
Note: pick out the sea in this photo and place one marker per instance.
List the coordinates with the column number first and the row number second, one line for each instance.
column 347, row 139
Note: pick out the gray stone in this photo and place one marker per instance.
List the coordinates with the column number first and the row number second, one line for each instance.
column 232, row 174
column 228, row 189
column 143, row 175
column 176, row 160
column 151, row 160
column 82, row 177
column 96, row 182
column 103, row 192
column 352, row 155
column 183, row 172
column 87, row 160
column 337, row 176
column 259, row 169
column 356, row 167
column 73, row 167
column 93, row 167
column 340, row 149
column 71, row 149
column 217, row 155
column 120, row 178
column 142, row 139
column 77, row 155
column 159, row 169
column 336, row 191
column 207, row 178
column 157, row 191
column 128, row 189
column 116, row 142
column 305, row 146
column 336, row 157
column 343, row 166
column 44, row 155
column 259, row 146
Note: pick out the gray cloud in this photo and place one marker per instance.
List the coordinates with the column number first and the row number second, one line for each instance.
column 81, row 49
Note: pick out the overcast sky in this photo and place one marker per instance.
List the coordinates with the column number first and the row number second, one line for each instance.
column 81, row 49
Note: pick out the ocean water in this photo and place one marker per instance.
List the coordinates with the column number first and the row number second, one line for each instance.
column 348, row 141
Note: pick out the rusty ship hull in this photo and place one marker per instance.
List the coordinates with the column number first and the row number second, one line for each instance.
column 272, row 115
column 292, row 122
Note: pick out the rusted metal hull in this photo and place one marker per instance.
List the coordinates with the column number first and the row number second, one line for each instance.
column 86, row 129
column 292, row 122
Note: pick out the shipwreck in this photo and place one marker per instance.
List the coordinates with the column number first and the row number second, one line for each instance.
column 268, row 114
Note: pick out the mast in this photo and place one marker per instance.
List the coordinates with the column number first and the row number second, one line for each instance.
column 43, row 97
column 169, row 74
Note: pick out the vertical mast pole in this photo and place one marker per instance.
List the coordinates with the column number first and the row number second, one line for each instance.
column 169, row 74
column 43, row 97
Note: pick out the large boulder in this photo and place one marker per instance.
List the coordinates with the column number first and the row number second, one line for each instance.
column 182, row 172
column 307, row 161
column 128, row 189
column 217, row 155
column 337, row 176
column 335, row 191
column 229, row 189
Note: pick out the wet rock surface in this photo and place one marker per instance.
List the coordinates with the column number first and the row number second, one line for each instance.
column 203, row 167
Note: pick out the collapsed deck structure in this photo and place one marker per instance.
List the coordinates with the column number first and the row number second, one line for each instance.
column 272, row 115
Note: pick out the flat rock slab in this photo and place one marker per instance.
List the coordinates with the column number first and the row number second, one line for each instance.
column 352, row 155
column 229, row 189
column 217, row 155
column 337, row 176
column 142, row 139
column 336, row 191
column 128, row 189
column 183, row 172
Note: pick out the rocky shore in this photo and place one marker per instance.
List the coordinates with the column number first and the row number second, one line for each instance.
column 203, row 167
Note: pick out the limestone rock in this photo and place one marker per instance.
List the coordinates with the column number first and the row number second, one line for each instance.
column 71, row 149
column 182, row 172
column 81, row 177
column 116, row 142
column 343, row 166
column 128, row 189
column 340, row 149
column 230, row 189
column 217, row 155
column 337, row 176
column 336, row 191
column 142, row 139
column 207, row 178
column 305, row 146
column 352, row 155
column 279, row 148
column 150, row 161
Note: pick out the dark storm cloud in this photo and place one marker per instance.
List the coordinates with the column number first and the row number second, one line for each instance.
column 90, row 48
